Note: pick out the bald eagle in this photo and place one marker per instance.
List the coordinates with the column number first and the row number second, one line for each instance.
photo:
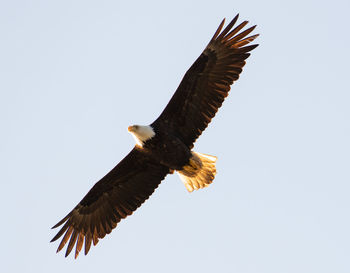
column 165, row 145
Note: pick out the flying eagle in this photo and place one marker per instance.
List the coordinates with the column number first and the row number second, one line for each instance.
column 165, row 145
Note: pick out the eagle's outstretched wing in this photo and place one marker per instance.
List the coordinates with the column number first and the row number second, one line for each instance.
column 207, row 83
column 113, row 198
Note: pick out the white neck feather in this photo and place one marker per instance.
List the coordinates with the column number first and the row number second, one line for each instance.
column 141, row 133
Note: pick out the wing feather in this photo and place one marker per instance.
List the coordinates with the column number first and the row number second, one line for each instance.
column 80, row 242
column 207, row 83
column 111, row 199
column 88, row 240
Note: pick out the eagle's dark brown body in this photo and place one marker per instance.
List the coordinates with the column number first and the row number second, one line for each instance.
column 167, row 149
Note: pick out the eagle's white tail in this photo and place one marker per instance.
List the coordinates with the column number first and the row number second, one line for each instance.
column 199, row 173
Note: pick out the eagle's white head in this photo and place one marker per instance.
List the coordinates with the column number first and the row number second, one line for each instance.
column 141, row 133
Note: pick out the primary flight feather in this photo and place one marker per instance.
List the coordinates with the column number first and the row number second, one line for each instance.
column 165, row 145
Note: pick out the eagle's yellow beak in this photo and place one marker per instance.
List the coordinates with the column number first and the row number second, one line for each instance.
column 131, row 128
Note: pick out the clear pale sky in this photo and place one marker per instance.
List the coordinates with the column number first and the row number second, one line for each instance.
column 75, row 74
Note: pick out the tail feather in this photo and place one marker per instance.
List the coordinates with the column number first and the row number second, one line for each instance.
column 199, row 173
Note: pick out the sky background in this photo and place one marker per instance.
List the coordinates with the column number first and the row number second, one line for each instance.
column 75, row 74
